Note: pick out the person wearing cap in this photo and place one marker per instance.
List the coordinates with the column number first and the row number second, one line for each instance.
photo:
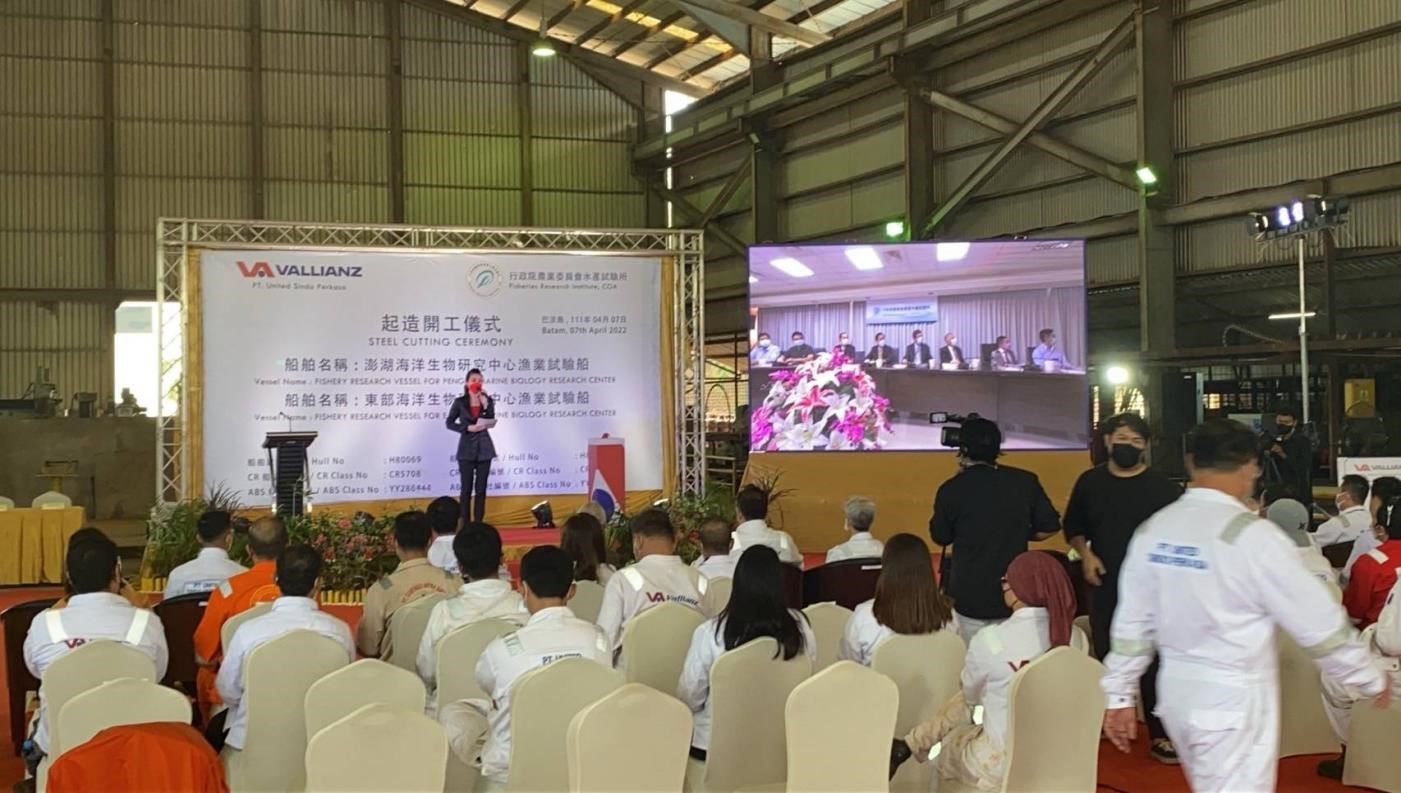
column 1292, row 518
column 472, row 416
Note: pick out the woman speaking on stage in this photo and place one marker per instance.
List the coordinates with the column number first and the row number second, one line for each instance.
column 472, row 416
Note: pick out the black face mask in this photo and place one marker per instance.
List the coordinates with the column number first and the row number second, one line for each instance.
column 1286, row 429
column 1125, row 455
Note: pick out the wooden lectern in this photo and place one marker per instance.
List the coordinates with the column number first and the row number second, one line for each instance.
column 290, row 471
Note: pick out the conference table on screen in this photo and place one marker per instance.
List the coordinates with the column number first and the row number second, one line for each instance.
column 1028, row 401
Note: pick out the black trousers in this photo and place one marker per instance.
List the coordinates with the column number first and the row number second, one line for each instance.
column 474, row 476
column 1103, row 600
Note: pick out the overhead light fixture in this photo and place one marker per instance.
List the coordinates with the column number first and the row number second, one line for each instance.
column 1294, row 315
column 1116, row 375
column 792, row 267
column 951, row 251
column 1299, row 216
column 1146, row 176
column 543, row 48
column 661, row 503
column 895, row 229
column 864, row 258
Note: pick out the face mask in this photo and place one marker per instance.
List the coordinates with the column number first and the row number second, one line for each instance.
column 953, row 342
column 1125, row 455
column 797, row 341
column 919, row 339
column 474, row 388
column 1286, row 429
column 880, row 340
column 843, row 341
column 763, row 342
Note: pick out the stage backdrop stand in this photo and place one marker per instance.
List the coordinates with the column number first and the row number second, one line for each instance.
column 180, row 242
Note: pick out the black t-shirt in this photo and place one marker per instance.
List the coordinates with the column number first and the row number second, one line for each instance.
column 1107, row 509
column 988, row 514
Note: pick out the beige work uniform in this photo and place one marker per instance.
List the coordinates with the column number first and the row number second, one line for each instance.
column 410, row 581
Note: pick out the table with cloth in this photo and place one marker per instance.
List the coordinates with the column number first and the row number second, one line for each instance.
column 33, row 542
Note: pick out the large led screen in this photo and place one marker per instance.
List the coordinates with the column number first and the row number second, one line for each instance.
column 884, row 347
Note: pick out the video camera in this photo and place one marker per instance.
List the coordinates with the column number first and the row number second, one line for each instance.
column 951, row 435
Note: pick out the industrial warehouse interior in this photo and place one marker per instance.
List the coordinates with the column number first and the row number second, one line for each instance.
column 544, row 395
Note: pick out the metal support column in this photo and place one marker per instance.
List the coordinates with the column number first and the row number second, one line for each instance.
column 1157, row 280
column 393, row 23
column 256, row 158
column 919, row 130
column 765, row 159
column 523, row 121
column 1330, row 293
column 107, row 325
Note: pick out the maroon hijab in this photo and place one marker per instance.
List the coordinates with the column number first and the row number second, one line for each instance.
column 1038, row 579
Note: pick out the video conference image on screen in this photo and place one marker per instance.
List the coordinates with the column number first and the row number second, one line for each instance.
column 885, row 347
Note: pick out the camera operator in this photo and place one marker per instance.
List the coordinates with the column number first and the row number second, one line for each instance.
column 1289, row 455
column 988, row 513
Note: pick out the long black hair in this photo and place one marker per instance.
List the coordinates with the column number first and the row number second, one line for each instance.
column 758, row 605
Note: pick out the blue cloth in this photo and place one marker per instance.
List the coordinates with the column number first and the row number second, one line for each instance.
column 763, row 356
column 1044, row 353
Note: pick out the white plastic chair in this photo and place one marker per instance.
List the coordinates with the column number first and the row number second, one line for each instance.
column 655, row 644
column 587, row 600
column 123, row 701
column 226, row 631
column 51, row 499
column 717, row 596
column 278, row 675
column 838, row 723
column 543, row 702
column 457, row 654
column 926, row 671
column 86, row 668
column 1372, row 759
column 1053, row 726
column 6, row 503
column 365, row 682
column 828, row 621
column 377, row 748
column 749, row 691
column 1304, row 726
column 653, row 758
column 405, row 631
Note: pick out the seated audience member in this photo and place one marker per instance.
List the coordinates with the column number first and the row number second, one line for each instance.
column 1374, row 574
column 299, row 579
column 551, row 633
column 1037, row 589
column 951, row 353
column 764, row 353
column 1353, row 518
column 917, row 352
column 1384, row 489
column 758, row 607
column 1383, row 642
column 127, row 590
column 752, row 510
column 582, row 541
column 412, row 579
column 482, row 597
column 212, row 566
column 1048, row 351
column 1003, row 356
column 267, row 537
column 799, row 352
column 881, row 354
column 844, row 346
column 715, row 560
column 659, row 576
column 95, row 610
column 596, row 510
column 443, row 513
column 907, row 602
column 860, row 514
column 1293, row 518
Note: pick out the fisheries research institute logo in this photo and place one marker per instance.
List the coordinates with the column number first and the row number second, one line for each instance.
column 484, row 280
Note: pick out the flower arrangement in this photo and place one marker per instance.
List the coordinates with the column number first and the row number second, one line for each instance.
column 356, row 549
column 828, row 403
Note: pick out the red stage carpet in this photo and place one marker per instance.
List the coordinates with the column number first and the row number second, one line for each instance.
column 1131, row 773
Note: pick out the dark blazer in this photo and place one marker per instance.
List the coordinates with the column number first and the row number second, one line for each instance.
column 882, row 352
column 917, row 353
column 1001, row 357
column 473, row 446
column 947, row 353
column 845, row 349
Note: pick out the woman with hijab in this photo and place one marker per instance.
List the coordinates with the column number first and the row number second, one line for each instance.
column 1037, row 590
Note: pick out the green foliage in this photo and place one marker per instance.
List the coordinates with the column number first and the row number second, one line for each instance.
column 172, row 537
column 356, row 550
column 687, row 513
column 768, row 482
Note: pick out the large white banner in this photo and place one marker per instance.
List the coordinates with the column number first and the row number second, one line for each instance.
column 370, row 349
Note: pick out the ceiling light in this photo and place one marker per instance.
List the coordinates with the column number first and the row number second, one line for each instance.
column 951, row 251
column 543, row 48
column 1116, row 375
column 792, row 267
column 1146, row 176
column 1294, row 315
column 895, row 229
column 864, row 258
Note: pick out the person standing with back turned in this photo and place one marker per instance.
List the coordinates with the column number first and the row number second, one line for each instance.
column 1207, row 583
column 1108, row 503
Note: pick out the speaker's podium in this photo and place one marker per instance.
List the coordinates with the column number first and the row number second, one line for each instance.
column 290, row 472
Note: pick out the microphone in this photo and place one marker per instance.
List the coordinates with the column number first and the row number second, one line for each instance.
column 289, row 420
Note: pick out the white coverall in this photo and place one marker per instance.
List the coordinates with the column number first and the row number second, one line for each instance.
column 1205, row 583
column 1383, row 642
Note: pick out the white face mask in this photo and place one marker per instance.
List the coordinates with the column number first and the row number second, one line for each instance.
column 764, row 342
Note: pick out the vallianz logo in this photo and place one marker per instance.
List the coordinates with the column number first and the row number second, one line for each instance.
column 267, row 270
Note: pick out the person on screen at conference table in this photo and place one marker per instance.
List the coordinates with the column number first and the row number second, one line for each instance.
column 844, row 347
column 1004, row 357
column 1048, row 350
column 472, row 416
column 951, row 352
column 800, row 351
column 917, row 352
column 765, row 353
column 881, row 354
